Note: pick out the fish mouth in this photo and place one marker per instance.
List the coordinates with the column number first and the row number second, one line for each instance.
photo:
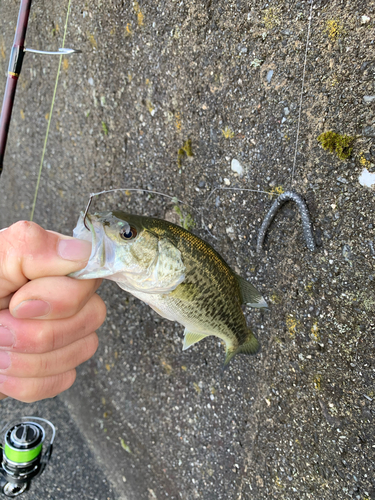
column 100, row 261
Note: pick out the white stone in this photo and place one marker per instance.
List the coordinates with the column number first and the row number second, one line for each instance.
column 91, row 81
column 226, row 181
column 367, row 178
column 365, row 19
column 236, row 167
column 369, row 98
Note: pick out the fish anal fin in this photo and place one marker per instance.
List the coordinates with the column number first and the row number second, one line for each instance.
column 192, row 338
column 249, row 346
column 249, row 294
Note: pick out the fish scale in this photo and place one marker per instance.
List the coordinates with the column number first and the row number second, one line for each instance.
column 176, row 273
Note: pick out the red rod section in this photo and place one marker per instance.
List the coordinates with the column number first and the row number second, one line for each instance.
column 14, row 70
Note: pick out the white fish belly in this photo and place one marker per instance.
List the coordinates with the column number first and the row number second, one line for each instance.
column 167, row 308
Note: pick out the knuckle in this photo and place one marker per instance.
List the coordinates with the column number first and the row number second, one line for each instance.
column 44, row 365
column 100, row 311
column 36, row 365
column 18, row 243
column 25, row 232
column 52, row 385
column 70, row 378
column 89, row 347
column 95, row 343
column 27, row 390
column 45, row 338
column 31, row 390
column 61, row 383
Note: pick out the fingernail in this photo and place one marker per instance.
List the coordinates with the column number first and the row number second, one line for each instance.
column 4, row 360
column 31, row 309
column 2, row 378
column 6, row 337
column 74, row 249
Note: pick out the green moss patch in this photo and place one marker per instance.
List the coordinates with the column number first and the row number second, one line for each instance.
column 341, row 145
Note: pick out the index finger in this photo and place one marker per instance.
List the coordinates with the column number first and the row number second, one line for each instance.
column 28, row 251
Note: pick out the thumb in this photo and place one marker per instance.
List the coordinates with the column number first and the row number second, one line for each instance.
column 27, row 252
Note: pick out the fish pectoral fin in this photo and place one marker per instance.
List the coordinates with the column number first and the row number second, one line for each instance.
column 249, row 346
column 191, row 338
column 249, row 294
column 185, row 291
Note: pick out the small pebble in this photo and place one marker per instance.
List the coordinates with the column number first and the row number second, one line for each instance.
column 367, row 178
column 365, row 19
column 226, row 181
column 269, row 75
column 369, row 131
column 91, row 81
column 369, row 98
column 236, row 167
column 286, row 111
column 230, row 231
column 347, row 252
column 342, row 180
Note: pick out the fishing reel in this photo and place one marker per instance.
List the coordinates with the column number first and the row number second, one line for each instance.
column 21, row 453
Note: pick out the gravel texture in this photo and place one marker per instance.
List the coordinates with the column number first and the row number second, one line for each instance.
column 297, row 420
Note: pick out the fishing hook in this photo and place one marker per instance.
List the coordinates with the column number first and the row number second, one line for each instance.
column 14, row 69
column 138, row 190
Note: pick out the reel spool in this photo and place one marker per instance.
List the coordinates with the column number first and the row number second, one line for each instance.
column 21, row 454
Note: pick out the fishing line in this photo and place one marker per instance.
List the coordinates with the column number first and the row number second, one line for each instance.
column 139, row 190
column 50, row 116
column 173, row 198
column 292, row 195
column 300, row 203
column 301, row 97
column 281, row 200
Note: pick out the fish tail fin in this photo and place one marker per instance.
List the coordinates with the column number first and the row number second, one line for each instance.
column 250, row 345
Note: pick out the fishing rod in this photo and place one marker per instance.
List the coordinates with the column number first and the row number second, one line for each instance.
column 14, row 70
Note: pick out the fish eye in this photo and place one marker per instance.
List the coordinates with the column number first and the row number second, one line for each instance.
column 128, row 232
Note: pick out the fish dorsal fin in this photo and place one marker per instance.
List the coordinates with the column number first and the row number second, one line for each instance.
column 249, row 294
column 191, row 338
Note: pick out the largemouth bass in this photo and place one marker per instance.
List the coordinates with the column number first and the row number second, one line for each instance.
column 176, row 273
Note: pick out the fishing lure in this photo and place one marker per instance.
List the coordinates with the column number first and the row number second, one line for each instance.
column 306, row 222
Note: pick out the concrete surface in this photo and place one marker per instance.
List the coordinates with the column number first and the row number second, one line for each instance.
column 296, row 421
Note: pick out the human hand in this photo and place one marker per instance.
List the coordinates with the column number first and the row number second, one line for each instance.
column 47, row 320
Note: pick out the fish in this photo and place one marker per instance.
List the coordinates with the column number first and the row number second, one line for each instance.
column 175, row 272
